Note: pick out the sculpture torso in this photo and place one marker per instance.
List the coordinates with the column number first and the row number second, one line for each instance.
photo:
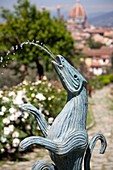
column 70, row 122
column 71, row 118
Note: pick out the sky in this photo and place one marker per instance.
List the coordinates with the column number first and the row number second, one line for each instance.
column 91, row 6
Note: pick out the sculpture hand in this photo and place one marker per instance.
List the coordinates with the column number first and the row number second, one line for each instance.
column 38, row 116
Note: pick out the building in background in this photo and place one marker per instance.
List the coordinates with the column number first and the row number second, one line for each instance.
column 77, row 18
column 97, row 60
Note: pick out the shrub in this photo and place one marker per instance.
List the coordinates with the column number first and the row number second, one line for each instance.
column 98, row 82
column 104, row 79
column 95, row 83
column 16, row 124
column 111, row 77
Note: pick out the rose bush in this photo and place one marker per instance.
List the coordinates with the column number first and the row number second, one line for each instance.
column 16, row 124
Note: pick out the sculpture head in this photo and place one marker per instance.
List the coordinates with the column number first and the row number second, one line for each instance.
column 70, row 78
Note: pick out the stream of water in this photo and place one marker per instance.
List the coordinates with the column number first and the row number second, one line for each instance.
column 5, row 61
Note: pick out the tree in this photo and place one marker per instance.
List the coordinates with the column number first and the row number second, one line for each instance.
column 94, row 45
column 27, row 23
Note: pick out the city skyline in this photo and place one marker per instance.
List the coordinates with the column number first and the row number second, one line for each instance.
column 90, row 6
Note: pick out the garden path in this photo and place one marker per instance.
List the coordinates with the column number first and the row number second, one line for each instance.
column 103, row 118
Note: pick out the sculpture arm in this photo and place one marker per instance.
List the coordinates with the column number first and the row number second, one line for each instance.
column 73, row 142
column 38, row 116
column 44, row 142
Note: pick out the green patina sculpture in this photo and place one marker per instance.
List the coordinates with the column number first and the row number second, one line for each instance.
column 66, row 139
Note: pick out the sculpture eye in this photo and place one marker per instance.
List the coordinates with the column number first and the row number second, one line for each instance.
column 75, row 76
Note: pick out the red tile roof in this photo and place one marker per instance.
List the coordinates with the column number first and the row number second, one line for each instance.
column 104, row 52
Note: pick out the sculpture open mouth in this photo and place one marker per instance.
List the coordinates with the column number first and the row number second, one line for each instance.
column 56, row 63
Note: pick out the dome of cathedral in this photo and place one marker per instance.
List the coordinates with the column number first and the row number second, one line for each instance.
column 77, row 11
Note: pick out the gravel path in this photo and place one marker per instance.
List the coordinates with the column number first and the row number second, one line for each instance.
column 103, row 118
column 29, row 159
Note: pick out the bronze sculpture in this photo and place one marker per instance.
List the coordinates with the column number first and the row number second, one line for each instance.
column 66, row 139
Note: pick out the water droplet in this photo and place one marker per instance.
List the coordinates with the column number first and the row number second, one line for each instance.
column 1, row 59
column 16, row 47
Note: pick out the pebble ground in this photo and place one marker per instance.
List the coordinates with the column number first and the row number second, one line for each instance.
column 103, row 117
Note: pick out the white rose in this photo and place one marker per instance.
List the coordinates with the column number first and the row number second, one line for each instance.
column 28, row 127
column 1, row 113
column 6, row 131
column 50, row 120
column 6, row 121
column 46, row 112
column 23, row 120
column 18, row 100
column 49, row 84
column 32, row 95
column 8, row 146
column 12, row 117
column 31, row 88
column 12, row 110
column 1, row 92
column 5, row 99
column 15, row 134
column 3, row 108
column 3, row 139
column 2, row 150
column 44, row 78
column 12, row 93
column 40, row 96
column 25, row 82
column 11, row 127
column 16, row 141
column 26, row 115
column 17, row 114
column 50, row 98
column 38, row 82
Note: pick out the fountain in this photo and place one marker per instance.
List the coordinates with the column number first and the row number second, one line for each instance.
column 66, row 139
